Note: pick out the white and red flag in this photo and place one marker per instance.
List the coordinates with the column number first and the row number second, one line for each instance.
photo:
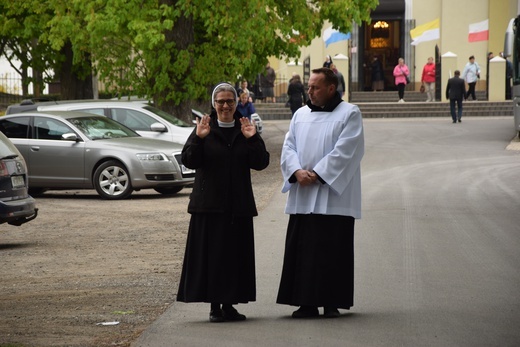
column 479, row 31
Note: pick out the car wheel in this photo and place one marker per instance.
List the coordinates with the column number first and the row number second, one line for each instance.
column 112, row 181
column 169, row 190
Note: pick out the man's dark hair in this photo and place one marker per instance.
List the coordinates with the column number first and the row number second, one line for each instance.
column 457, row 73
column 472, row 57
column 330, row 76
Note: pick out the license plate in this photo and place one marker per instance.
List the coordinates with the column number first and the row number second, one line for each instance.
column 17, row 181
column 185, row 170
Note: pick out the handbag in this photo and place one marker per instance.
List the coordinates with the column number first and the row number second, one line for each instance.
column 422, row 89
column 405, row 76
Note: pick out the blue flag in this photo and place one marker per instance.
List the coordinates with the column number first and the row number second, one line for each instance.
column 332, row 35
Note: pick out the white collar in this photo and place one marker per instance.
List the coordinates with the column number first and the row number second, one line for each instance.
column 226, row 124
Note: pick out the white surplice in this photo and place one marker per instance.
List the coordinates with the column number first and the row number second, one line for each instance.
column 332, row 145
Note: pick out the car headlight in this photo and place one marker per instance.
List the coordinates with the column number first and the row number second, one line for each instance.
column 151, row 156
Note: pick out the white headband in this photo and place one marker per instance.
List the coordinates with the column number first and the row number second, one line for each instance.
column 215, row 89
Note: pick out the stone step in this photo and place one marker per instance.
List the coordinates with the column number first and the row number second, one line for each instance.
column 435, row 113
column 404, row 105
column 385, row 105
column 391, row 96
column 277, row 111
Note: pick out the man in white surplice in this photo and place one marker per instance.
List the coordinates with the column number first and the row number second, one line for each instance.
column 320, row 162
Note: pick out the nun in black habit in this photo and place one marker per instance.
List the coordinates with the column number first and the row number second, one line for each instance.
column 219, row 262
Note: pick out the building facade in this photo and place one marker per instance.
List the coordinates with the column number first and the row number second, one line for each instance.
column 388, row 37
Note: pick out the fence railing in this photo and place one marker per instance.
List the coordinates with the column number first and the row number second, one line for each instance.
column 10, row 89
column 280, row 89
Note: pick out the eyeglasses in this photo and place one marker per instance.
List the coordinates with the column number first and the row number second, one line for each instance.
column 230, row 102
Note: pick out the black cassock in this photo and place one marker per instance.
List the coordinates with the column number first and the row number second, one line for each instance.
column 318, row 268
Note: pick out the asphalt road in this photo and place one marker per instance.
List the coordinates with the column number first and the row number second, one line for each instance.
column 437, row 250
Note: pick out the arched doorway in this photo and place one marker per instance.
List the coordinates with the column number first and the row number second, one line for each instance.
column 382, row 41
column 384, row 38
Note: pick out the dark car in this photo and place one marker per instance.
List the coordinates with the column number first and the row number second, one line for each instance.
column 29, row 105
column 16, row 205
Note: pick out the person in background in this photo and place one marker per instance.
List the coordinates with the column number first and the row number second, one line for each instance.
column 489, row 57
column 245, row 106
column 378, row 75
column 328, row 61
column 401, row 73
column 296, row 93
column 321, row 167
column 219, row 262
column 341, row 80
column 267, row 80
column 455, row 92
column 244, row 88
column 428, row 79
column 471, row 74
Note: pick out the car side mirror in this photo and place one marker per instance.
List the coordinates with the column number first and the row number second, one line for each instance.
column 158, row 127
column 70, row 137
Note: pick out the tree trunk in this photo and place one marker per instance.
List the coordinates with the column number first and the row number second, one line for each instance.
column 37, row 79
column 182, row 34
column 25, row 81
column 76, row 80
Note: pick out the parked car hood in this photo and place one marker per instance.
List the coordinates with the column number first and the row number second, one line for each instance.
column 141, row 143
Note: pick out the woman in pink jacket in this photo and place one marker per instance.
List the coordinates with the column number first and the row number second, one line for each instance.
column 401, row 73
column 428, row 79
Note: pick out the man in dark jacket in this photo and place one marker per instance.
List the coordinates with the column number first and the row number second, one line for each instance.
column 267, row 80
column 296, row 93
column 455, row 91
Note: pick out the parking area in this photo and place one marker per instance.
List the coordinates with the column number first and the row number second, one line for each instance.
column 86, row 260
column 440, row 208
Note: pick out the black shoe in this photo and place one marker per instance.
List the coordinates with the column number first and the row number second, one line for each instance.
column 216, row 316
column 232, row 315
column 330, row 312
column 459, row 120
column 306, row 312
column 454, row 121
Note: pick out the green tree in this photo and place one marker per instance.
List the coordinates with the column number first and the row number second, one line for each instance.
column 19, row 31
column 174, row 50
column 170, row 50
column 66, row 34
column 27, row 30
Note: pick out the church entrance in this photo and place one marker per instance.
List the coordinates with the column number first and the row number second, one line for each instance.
column 382, row 41
column 380, row 44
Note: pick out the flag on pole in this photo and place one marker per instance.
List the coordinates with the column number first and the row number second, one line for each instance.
column 479, row 31
column 426, row 32
column 332, row 35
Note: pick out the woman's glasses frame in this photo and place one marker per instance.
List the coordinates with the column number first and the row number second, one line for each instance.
column 230, row 102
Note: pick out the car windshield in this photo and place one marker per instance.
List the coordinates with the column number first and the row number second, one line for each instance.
column 99, row 127
column 7, row 149
column 168, row 117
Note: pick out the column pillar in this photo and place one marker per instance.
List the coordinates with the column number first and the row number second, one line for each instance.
column 448, row 67
column 497, row 79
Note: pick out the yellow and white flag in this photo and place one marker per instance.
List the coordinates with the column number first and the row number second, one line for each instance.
column 426, row 32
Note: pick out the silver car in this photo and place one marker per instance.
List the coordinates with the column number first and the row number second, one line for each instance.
column 144, row 119
column 76, row 150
